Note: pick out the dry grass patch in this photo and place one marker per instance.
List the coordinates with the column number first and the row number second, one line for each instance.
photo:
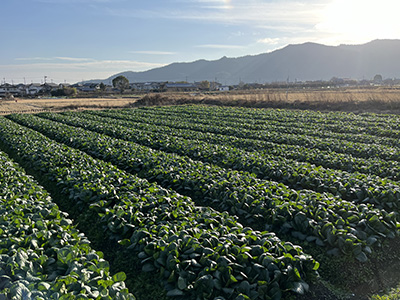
column 371, row 99
column 37, row 105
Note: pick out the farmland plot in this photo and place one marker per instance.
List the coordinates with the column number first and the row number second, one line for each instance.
column 226, row 203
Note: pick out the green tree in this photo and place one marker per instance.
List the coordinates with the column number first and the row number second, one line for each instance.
column 120, row 82
column 65, row 91
column 378, row 78
column 70, row 91
column 204, row 85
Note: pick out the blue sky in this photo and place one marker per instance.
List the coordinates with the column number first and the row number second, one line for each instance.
column 74, row 40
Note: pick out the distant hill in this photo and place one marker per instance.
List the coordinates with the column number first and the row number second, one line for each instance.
column 308, row 61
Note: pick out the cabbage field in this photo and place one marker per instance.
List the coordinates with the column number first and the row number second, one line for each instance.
column 196, row 202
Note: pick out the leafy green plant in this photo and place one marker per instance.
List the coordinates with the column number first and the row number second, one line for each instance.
column 340, row 226
column 382, row 192
column 42, row 255
column 147, row 219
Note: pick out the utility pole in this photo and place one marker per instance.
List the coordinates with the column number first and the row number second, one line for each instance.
column 287, row 88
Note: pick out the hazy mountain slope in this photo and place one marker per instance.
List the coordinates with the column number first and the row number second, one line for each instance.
column 308, row 61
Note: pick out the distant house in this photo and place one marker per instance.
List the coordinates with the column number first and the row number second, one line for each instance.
column 64, row 85
column 223, row 88
column 181, row 87
column 147, row 86
column 21, row 89
column 9, row 89
column 49, row 87
column 87, row 87
column 33, row 89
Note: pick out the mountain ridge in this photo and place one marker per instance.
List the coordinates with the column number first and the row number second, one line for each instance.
column 302, row 62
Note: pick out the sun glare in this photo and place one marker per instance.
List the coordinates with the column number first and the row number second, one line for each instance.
column 358, row 21
column 228, row 3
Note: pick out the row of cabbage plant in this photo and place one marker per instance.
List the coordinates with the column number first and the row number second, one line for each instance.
column 341, row 226
column 42, row 255
column 288, row 125
column 197, row 251
column 327, row 159
column 357, row 187
column 327, row 143
column 342, row 122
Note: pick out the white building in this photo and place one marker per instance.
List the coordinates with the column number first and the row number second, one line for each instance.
column 8, row 89
column 223, row 88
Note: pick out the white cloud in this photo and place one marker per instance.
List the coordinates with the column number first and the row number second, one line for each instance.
column 62, row 58
column 257, row 13
column 269, row 41
column 285, row 17
column 215, row 46
column 210, row 1
column 71, row 69
column 33, row 58
column 73, row 62
column 150, row 52
column 250, row 12
column 73, row 59
column 74, row 1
